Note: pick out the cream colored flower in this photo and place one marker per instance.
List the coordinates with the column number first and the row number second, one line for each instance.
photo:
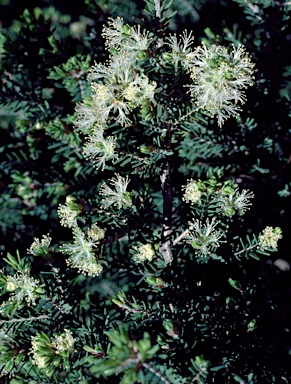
column 144, row 253
column 64, row 342
column 204, row 237
column 82, row 253
column 100, row 149
column 269, row 238
column 219, row 78
column 118, row 196
column 40, row 247
column 192, row 194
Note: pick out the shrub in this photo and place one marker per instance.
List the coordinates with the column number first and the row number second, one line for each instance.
column 155, row 185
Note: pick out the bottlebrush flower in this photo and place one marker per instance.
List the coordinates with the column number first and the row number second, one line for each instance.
column 118, row 197
column 219, row 78
column 100, row 149
column 269, row 238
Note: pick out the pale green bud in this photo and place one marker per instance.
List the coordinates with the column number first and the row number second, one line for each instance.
column 11, row 286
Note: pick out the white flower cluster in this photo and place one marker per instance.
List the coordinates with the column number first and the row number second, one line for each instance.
column 203, row 237
column 64, row 343
column 69, row 212
column 192, row 193
column 144, row 252
column 118, row 87
column 228, row 200
column 100, row 149
column 180, row 48
column 49, row 353
column 82, row 251
column 269, row 238
column 25, row 289
column 118, row 196
column 120, row 36
column 67, row 216
column 40, row 247
column 82, row 254
column 96, row 233
column 219, row 78
column 237, row 202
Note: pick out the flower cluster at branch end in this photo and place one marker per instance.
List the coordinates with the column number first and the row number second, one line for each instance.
column 224, row 195
column 40, row 247
column 269, row 238
column 219, row 78
column 64, row 343
column 69, row 212
column 118, row 196
column 49, row 353
column 144, row 252
column 82, row 252
column 192, row 193
column 25, row 289
column 204, row 238
column 236, row 202
column 119, row 86
column 100, row 149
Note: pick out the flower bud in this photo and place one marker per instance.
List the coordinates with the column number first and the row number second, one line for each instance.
column 11, row 286
column 167, row 56
column 73, row 204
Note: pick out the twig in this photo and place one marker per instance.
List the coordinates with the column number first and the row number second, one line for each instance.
column 81, row 89
column 131, row 360
column 23, row 319
column 165, row 249
column 181, row 237
column 78, row 75
column 245, row 250
column 157, row 373
column 158, row 9
column 185, row 116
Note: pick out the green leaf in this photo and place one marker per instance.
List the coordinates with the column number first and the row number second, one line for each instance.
column 235, row 284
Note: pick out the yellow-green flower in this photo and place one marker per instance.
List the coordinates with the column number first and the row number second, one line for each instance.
column 40, row 247
column 269, row 238
column 192, row 193
column 144, row 253
column 64, row 343
column 49, row 353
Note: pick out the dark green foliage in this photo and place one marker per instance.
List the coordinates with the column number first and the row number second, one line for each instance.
column 171, row 312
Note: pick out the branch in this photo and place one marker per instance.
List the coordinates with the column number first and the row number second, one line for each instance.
column 246, row 249
column 181, row 237
column 81, row 89
column 181, row 118
column 128, row 362
column 158, row 9
column 157, row 373
column 165, row 249
column 24, row 319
